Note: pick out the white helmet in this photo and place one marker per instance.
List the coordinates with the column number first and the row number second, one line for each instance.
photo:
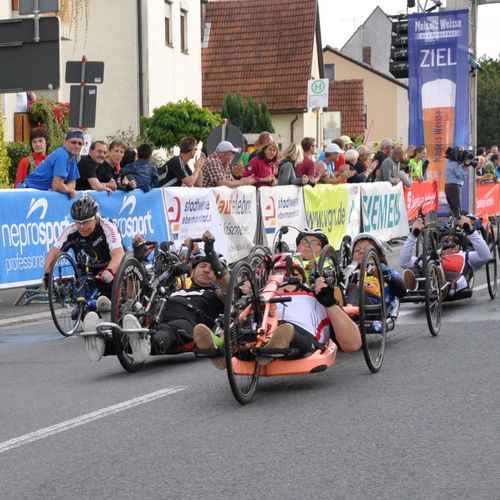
column 379, row 243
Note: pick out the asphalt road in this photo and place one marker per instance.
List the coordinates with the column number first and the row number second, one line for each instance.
column 425, row 427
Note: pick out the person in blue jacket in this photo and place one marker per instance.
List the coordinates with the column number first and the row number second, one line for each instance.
column 142, row 171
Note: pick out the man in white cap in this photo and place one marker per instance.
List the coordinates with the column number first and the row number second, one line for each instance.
column 216, row 170
column 326, row 168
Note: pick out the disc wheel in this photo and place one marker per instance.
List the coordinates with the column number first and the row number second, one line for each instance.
column 242, row 312
column 433, row 297
column 372, row 315
column 128, row 296
column 66, row 300
column 491, row 266
column 259, row 260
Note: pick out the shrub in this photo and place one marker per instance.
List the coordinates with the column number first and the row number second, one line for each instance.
column 16, row 152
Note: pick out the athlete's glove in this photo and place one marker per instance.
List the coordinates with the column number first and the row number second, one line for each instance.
column 326, row 296
column 219, row 269
column 106, row 275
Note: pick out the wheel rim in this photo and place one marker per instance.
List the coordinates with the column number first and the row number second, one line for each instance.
column 491, row 268
column 433, row 299
column 240, row 334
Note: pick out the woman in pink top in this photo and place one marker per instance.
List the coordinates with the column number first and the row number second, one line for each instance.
column 263, row 166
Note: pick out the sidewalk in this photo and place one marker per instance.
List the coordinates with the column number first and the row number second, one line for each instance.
column 11, row 315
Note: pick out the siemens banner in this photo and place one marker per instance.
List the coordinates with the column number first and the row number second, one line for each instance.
column 439, row 85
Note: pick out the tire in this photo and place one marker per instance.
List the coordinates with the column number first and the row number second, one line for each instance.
column 328, row 267
column 491, row 266
column 372, row 316
column 344, row 253
column 240, row 333
column 259, row 260
column 281, row 247
column 433, row 297
column 64, row 294
column 497, row 235
column 130, row 288
column 165, row 262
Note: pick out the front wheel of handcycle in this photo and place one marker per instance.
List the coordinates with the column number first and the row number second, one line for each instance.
column 372, row 313
column 128, row 297
column 66, row 305
column 242, row 314
column 491, row 265
column 259, row 259
column 433, row 297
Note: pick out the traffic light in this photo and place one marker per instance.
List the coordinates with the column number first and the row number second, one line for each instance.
column 398, row 65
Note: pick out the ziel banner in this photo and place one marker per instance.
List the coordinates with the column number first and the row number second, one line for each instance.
column 281, row 206
column 238, row 210
column 384, row 210
column 439, row 85
column 335, row 209
column 191, row 212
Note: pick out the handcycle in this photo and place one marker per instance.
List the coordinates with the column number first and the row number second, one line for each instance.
column 72, row 291
column 250, row 318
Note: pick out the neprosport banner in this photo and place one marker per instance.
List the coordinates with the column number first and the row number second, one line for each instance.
column 439, row 85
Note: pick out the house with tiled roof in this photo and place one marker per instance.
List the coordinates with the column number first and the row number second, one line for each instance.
column 268, row 49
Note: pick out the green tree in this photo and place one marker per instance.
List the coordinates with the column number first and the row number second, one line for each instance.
column 249, row 116
column 173, row 121
column 488, row 102
column 4, row 159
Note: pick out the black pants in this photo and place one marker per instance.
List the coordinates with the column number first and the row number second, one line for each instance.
column 302, row 340
column 452, row 192
column 171, row 334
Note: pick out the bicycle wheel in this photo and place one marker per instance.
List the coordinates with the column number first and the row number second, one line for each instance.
column 491, row 265
column 163, row 266
column 497, row 234
column 433, row 297
column 242, row 312
column 344, row 252
column 259, row 260
column 65, row 300
column 129, row 292
column 328, row 267
column 372, row 315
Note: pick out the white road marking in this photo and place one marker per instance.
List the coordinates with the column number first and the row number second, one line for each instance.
column 85, row 419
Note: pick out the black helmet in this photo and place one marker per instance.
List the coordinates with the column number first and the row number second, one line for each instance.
column 201, row 257
column 84, row 208
column 318, row 233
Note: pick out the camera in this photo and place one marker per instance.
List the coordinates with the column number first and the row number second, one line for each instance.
column 460, row 155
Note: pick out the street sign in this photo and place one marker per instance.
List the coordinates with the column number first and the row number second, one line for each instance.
column 85, row 118
column 24, row 64
column 317, row 93
column 94, row 72
column 27, row 7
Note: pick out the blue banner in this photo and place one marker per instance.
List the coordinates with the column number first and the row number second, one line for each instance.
column 439, row 85
column 32, row 220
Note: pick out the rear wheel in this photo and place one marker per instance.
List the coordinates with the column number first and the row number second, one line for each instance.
column 433, row 297
column 242, row 313
column 491, row 266
column 372, row 315
column 128, row 297
column 66, row 299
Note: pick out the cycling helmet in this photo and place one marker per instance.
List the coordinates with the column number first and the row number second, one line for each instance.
column 317, row 232
column 84, row 208
column 202, row 257
column 382, row 246
column 281, row 261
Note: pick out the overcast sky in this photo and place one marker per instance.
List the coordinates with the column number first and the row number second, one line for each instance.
column 340, row 18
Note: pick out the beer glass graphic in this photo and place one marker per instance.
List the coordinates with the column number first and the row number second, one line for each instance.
column 438, row 106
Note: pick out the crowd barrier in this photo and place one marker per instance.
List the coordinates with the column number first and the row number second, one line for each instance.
column 31, row 220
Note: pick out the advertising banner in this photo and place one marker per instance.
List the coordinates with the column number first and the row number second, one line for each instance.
column 32, row 221
column 439, row 85
column 238, row 210
column 487, row 199
column 335, row 209
column 422, row 196
column 281, row 206
column 190, row 213
column 384, row 210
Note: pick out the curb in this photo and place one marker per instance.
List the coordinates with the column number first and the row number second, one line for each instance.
column 27, row 318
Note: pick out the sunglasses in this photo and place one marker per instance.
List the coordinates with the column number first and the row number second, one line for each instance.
column 79, row 143
column 86, row 222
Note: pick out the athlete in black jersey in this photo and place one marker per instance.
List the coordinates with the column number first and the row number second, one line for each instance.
column 95, row 241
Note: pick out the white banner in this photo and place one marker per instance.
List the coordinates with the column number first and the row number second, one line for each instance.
column 238, row 210
column 282, row 206
column 191, row 212
column 383, row 210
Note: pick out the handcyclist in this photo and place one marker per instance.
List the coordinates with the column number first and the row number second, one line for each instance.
column 459, row 265
column 96, row 243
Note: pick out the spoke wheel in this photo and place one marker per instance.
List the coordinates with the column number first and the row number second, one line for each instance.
column 65, row 302
column 345, row 252
column 239, row 331
column 497, row 234
column 491, row 266
column 128, row 297
column 259, row 260
column 433, row 297
column 372, row 315
column 328, row 267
